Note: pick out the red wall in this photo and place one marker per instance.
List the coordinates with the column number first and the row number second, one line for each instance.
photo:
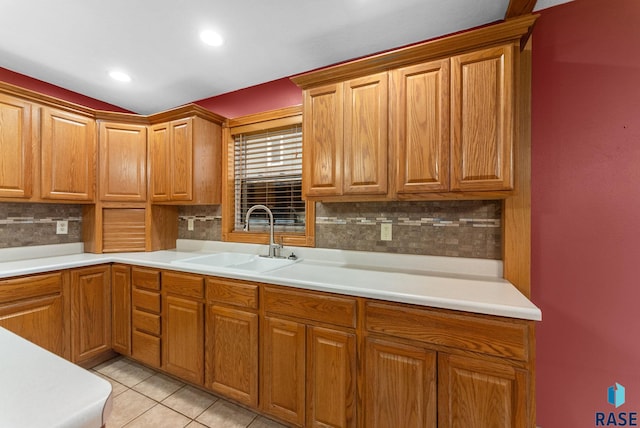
column 26, row 82
column 267, row 96
column 586, row 208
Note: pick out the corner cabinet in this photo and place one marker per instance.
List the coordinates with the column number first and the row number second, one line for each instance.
column 123, row 162
column 68, row 156
column 16, row 149
column 185, row 161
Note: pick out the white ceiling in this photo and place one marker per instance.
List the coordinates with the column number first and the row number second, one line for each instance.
column 75, row 43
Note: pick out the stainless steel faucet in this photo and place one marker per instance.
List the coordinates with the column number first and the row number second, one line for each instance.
column 273, row 247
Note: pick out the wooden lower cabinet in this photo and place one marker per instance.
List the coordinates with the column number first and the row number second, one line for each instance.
column 146, row 327
column 90, row 313
column 232, row 353
column 306, row 358
column 331, row 378
column 309, row 374
column 474, row 393
column 34, row 307
column 121, row 308
column 400, row 385
column 183, row 326
column 283, row 373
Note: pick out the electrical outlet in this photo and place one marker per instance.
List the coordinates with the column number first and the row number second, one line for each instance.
column 385, row 231
column 62, row 227
column 190, row 223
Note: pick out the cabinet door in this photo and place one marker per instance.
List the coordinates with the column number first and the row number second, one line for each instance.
column 283, row 376
column 322, row 135
column 473, row 393
column 400, row 388
column 482, row 106
column 183, row 338
column 16, row 153
column 331, row 368
column 232, row 354
column 159, row 155
column 123, row 160
column 181, row 161
column 121, row 308
column 420, row 118
column 90, row 312
column 365, row 135
column 33, row 307
column 68, row 159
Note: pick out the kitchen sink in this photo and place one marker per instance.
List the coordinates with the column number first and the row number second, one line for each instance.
column 237, row 261
column 219, row 259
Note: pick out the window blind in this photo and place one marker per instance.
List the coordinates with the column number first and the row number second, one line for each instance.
column 268, row 171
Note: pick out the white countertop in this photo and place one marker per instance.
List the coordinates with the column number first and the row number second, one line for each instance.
column 38, row 389
column 472, row 285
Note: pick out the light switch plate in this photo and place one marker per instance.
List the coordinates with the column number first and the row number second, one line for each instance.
column 62, row 227
column 385, row 231
column 190, row 223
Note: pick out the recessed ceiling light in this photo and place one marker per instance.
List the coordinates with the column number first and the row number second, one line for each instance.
column 211, row 38
column 120, row 76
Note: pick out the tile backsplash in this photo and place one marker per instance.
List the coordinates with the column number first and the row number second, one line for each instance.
column 441, row 228
column 444, row 228
column 26, row 224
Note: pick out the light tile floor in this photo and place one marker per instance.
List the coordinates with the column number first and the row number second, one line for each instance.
column 145, row 398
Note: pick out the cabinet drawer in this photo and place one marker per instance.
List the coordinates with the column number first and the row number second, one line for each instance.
column 183, row 284
column 145, row 278
column 236, row 293
column 30, row 286
column 146, row 322
column 484, row 334
column 311, row 306
column 145, row 348
column 148, row 300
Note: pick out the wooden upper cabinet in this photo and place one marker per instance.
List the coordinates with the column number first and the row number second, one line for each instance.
column 16, row 152
column 365, row 135
column 185, row 161
column 322, row 135
column 482, row 108
column 420, row 116
column 123, row 162
column 68, row 156
column 345, row 138
column 181, row 161
column 159, row 152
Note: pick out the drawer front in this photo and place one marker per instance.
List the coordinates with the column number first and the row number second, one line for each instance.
column 147, row 300
column 146, row 322
column 230, row 292
column 145, row 278
column 484, row 334
column 311, row 306
column 145, row 348
column 30, row 286
column 183, row 284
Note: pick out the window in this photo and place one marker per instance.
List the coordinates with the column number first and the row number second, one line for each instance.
column 264, row 159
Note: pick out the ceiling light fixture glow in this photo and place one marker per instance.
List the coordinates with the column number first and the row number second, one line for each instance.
column 211, row 38
column 120, row 76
